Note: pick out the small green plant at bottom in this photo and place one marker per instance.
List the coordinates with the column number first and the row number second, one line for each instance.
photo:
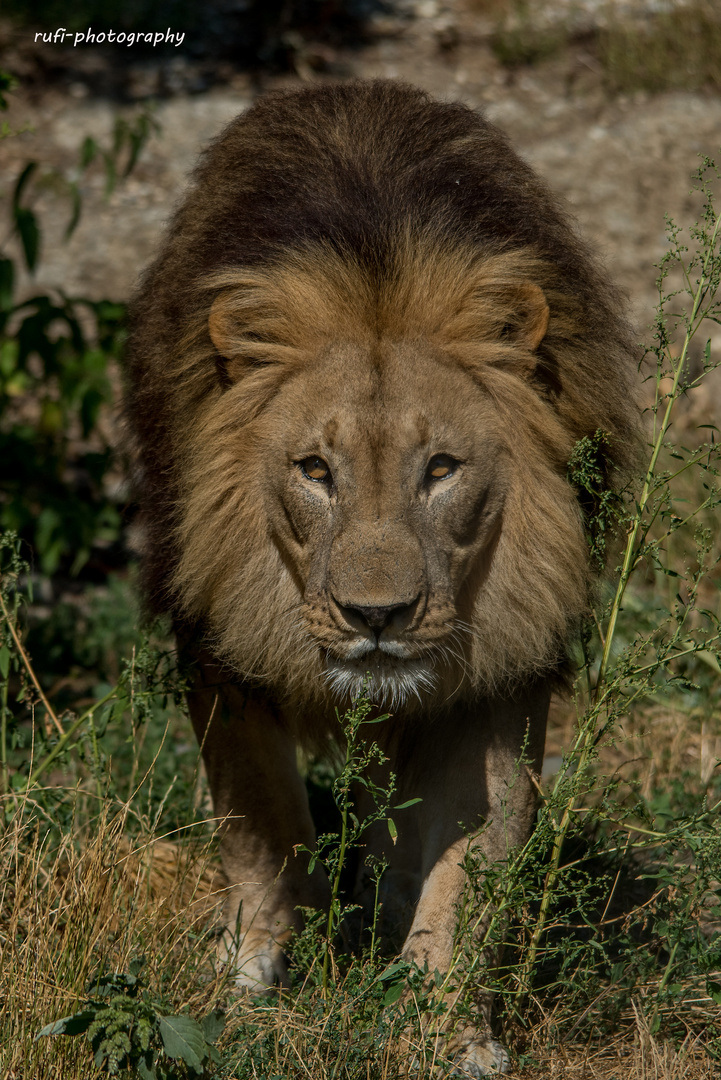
column 333, row 849
column 129, row 1032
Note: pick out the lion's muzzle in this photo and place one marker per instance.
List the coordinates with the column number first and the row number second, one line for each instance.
column 376, row 620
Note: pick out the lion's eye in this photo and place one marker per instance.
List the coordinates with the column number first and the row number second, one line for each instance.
column 314, row 468
column 441, row 466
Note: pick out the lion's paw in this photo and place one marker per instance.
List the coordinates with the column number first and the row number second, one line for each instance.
column 480, row 1058
column 255, row 970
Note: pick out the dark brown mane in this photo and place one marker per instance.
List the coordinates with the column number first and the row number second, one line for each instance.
column 353, row 167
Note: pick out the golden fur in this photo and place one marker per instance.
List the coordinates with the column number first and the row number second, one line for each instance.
column 357, row 373
column 536, row 587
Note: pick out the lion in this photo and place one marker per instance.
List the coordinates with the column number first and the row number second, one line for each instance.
column 356, row 374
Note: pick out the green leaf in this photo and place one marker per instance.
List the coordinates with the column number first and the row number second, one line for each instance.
column 405, row 805
column 4, row 661
column 183, row 1040
column 110, row 174
column 69, row 1025
column 393, row 970
column 137, row 139
column 115, row 983
column 714, row 991
column 27, row 227
column 213, row 1025
column 392, row 994
column 88, row 152
column 392, row 829
column 7, row 277
column 710, row 659
column 76, row 201
column 21, row 182
column 144, row 1071
column 136, row 965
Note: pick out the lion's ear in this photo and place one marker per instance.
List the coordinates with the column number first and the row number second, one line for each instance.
column 221, row 325
column 247, row 331
column 526, row 321
column 501, row 311
column 231, row 336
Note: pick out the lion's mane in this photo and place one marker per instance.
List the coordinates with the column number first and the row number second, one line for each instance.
column 366, row 207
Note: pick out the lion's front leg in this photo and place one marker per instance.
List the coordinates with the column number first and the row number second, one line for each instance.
column 477, row 794
column 250, row 761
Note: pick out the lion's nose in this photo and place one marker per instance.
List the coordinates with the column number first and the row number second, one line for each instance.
column 378, row 618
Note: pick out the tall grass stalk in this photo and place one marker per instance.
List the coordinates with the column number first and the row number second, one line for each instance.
column 705, row 306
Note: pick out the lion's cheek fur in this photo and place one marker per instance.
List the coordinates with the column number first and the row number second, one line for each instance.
column 229, row 578
column 535, row 586
column 531, row 572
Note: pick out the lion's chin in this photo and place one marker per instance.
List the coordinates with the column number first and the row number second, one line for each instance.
column 387, row 682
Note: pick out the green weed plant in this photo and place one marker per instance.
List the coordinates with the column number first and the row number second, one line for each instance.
column 129, row 1033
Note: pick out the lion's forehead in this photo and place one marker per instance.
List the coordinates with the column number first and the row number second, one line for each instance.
column 389, row 401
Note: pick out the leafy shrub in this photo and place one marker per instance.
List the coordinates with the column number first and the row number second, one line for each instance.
column 128, row 1032
column 57, row 355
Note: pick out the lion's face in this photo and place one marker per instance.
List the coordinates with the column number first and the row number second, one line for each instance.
column 379, row 489
column 387, row 479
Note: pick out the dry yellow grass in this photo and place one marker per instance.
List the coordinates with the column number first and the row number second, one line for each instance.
column 101, row 899
column 95, row 901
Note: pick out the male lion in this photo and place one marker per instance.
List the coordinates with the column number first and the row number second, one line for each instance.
column 357, row 371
